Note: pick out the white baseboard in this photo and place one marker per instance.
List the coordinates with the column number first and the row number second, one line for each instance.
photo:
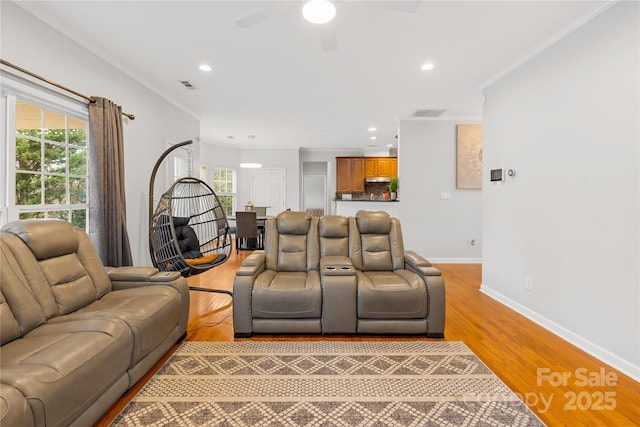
column 455, row 260
column 595, row 350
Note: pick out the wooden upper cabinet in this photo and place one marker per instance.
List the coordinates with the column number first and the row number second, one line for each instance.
column 352, row 171
column 350, row 174
column 343, row 175
column 370, row 167
column 357, row 175
column 381, row 167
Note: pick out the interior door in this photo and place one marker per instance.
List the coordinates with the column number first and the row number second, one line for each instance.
column 315, row 192
column 268, row 189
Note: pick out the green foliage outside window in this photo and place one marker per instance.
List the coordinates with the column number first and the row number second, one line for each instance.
column 51, row 164
column 223, row 186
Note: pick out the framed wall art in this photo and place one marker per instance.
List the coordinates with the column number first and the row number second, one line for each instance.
column 469, row 157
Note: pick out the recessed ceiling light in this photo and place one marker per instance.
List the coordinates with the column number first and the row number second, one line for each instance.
column 373, row 138
column 427, row 66
column 372, row 129
column 389, row 145
column 205, row 67
column 318, row 11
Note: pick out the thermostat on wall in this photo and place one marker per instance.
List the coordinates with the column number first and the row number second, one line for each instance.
column 497, row 175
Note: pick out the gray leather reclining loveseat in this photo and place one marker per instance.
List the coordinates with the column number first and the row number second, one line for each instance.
column 76, row 335
column 335, row 274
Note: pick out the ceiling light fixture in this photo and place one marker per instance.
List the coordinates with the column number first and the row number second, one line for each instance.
column 427, row 67
column 250, row 165
column 205, row 67
column 318, row 11
column 373, row 138
column 372, row 129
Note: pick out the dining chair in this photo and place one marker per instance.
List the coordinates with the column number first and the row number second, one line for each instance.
column 248, row 237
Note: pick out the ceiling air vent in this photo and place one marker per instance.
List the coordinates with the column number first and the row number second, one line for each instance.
column 428, row 113
column 187, row 84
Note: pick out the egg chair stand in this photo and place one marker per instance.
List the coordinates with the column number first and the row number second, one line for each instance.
column 188, row 230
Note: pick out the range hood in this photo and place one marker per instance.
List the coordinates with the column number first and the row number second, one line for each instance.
column 378, row 179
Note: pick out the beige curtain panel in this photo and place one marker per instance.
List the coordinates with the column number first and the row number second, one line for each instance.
column 107, row 206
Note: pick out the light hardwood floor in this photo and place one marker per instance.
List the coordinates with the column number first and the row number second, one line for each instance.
column 548, row 373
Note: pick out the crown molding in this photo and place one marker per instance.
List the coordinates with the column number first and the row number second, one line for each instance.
column 578, row 23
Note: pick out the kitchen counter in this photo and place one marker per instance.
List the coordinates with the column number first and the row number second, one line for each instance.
column 368, row 200
column 350, row 207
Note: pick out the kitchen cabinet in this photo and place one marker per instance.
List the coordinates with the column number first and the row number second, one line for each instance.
column 381, row 167
column 393, row 166
column 370, row 167
column 350, row 174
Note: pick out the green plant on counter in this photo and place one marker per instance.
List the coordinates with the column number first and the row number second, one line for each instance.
column 338, row 196
column 393, row 185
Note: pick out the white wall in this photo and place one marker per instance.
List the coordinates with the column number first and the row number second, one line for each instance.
column 214, row 156
column 439, row 229
column 289, row 160
column 568, row 122
column 33, row 45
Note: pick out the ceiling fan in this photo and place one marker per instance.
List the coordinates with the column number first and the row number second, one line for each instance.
column 326, row 29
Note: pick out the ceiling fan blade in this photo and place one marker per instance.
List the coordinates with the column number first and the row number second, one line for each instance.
column 406, row 6
column 329, row 39
column 253, row 18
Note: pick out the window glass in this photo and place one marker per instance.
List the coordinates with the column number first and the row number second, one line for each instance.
column 51, row 171
column 224, row 185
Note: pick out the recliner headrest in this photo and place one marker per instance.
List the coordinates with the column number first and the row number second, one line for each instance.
column 290, row 222
column 334, row 226
column 46, row 238
column 373, row 222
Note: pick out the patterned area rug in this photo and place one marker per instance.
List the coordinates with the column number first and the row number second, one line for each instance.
column 325, row 383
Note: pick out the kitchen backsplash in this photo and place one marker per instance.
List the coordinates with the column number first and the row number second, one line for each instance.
column 375, row 188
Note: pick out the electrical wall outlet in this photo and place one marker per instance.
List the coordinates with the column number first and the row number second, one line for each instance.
column 528, row 283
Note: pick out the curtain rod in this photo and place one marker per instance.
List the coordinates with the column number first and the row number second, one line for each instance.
column 58, row 85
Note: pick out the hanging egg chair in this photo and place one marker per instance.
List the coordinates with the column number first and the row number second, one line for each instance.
column 188, row 230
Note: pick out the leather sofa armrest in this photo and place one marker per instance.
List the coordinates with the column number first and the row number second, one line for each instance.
column 127, row 277
column 419, row 264
column 246, row 276
column 14, row 409
column 435, row 292
column 141, row 274
column 135, row 277
column 256, row 258
column 252, row 265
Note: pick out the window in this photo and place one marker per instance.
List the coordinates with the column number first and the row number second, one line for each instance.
column 224, row 185
column 51, row 172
